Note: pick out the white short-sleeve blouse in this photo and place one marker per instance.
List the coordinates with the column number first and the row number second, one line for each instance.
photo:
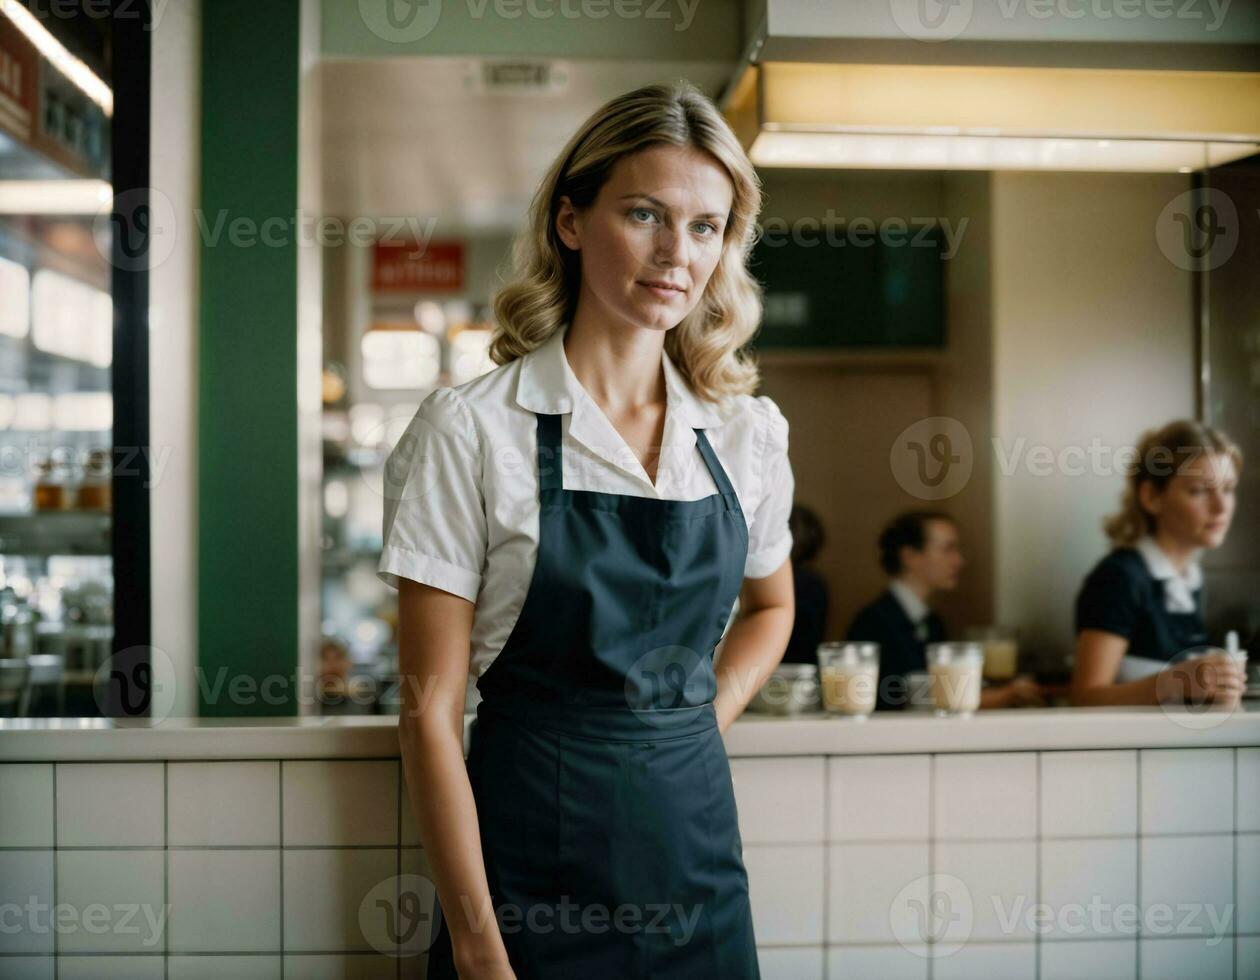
column 461, row 485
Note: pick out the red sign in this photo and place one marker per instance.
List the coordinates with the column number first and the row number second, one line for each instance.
column 410, row 267
column 44, row 110
column 19, row 82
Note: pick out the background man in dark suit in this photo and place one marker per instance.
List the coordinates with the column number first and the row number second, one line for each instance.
column 919, row 550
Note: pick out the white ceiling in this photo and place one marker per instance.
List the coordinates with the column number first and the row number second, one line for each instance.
column 411, row 137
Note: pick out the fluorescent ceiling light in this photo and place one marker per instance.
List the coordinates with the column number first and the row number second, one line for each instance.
column 83, row 411
column 908, row 151
column 54, row 196
column 15, row 287
column 32, row 412
column 71, row 319
column 952, row 118
column 73, row 68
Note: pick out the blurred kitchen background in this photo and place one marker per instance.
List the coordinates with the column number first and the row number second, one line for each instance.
column 1018, row 227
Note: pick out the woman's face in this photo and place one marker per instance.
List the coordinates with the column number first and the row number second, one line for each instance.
column 659, row 219
column 1196, row 506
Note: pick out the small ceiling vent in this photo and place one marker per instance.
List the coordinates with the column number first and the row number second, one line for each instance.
column 518, row 78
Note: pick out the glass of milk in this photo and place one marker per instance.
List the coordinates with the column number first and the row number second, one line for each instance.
column 956, row 670
column 849, row 676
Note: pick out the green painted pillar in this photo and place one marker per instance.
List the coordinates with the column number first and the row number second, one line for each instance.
column 248, row 409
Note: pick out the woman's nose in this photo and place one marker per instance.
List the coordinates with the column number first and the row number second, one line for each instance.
column 671, row 246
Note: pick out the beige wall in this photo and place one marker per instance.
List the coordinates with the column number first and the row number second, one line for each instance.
column 1066, row 324
column 1093, row 339
column 966, row 394
column 846, row 409
column 1232, row 403
column 843, row 418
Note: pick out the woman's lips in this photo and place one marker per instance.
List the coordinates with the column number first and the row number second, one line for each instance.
column 662, row 291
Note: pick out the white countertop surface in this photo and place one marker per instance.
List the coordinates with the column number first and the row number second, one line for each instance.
column 358, row 737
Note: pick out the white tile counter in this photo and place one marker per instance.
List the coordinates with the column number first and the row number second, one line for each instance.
column 1037, row 844
column 892, row 733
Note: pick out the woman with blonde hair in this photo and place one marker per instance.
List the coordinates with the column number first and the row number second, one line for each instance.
column 577, row 524
column 1141, row 638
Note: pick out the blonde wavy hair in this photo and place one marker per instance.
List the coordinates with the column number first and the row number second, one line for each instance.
column 541, row 291
column 1182, row 441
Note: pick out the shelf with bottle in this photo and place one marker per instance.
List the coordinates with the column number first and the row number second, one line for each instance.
column 46, row 533
column 63, row 485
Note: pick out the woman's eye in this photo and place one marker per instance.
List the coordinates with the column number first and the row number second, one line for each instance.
column 705, row 224
column 642, row 211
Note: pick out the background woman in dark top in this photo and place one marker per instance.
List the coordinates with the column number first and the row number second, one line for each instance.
column 1142, row 605
column 810, row 624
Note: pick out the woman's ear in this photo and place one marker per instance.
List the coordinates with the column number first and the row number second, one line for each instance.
column 1150, row 499
column 566, row 224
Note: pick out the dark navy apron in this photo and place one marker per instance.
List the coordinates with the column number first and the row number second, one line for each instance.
column 607, row 817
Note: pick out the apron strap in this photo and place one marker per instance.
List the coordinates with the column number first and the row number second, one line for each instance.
column 715, row 467
column 550, row 462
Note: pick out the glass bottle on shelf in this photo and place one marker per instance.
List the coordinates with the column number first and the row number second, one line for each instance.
column 74, row 477
column 55, row 481
column 94, row 491
column 50, row 491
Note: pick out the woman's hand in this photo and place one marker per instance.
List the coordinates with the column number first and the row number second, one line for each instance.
column 755, row 643
column 1212, row 679
column 1024, row 692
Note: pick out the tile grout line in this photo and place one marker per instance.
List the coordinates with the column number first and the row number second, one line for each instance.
column 280, row 838
column 401, row 788
column 776, row 844
column 826, row 835
column 1137, row 940
column 1037, row 886
column 166, row 864
column 928, row 944
column 56, row 864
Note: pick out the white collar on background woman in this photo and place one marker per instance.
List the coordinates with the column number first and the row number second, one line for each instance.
column 1178, row 586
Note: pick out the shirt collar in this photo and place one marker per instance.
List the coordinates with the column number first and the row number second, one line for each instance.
column 1161, row 566
column 1178, row 586
column 546, row 383
column 915, row 607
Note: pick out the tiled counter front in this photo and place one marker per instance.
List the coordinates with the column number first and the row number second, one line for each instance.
column 276, row 848
column 267, row 868
column 1147, row 863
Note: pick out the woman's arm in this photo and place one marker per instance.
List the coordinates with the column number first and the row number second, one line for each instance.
column 1211, row 679
column 434, row 629
column 1098, row 656
column 756, row 641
